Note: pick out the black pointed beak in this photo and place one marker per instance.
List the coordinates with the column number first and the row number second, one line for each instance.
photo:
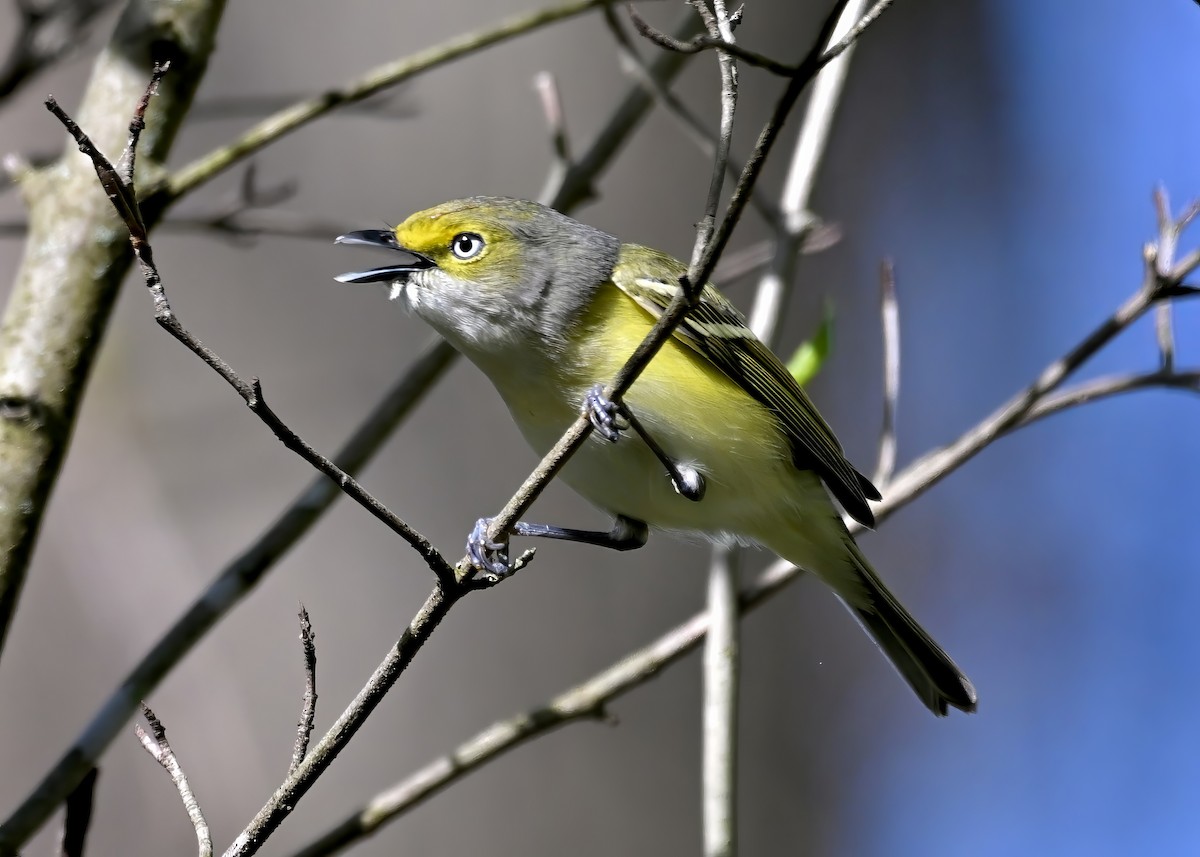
column 388, row 273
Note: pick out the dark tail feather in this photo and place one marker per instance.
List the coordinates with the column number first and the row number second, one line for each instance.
column 936, row 679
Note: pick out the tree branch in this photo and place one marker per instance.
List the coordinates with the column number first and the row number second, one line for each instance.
column 73, row 265
column 118, row 184
column 157, row 746
column 308, row 709
column 78, row 816
column 207, row 167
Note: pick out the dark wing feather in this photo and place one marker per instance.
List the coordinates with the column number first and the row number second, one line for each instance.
column 718, row 332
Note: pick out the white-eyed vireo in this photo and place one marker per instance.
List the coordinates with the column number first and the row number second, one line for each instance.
column 718, row 438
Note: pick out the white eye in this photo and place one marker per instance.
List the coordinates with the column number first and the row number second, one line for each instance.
column 466, row 245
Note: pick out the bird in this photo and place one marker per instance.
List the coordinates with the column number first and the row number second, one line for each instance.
column 715, row 437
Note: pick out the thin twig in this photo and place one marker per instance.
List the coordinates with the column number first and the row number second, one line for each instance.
column 308, row 708
column 156, row 745
column 889, row 312
column 686, row 119
column 927, row 471
column 729, row 94
column 231, row 585
column 299, row 781
column 576, row 187
column 706, row 42
column 809, row 151
column 1107, row 387
column 286, row 121
column 248, row 213
column 78, row 816
column 120, row 190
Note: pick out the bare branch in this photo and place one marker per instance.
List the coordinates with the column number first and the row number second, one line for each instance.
column 686, row 119
column 706, row 42
column 576, row 187
column 245, row 215
column 156, row 745
column 391, row 74
column 1104, row 388
column 63, row 293
column 121, row 192
column 927, row 471
column 308, row 709
column 300, row 780
column 236, row 581
column 78, row 816
column 729, row 94
column 798, row 222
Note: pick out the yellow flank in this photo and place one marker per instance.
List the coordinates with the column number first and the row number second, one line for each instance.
column 680, row 396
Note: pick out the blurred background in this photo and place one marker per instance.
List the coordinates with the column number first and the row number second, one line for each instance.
column 1002, row 153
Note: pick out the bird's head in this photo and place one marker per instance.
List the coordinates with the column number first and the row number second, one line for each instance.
column 491, row 271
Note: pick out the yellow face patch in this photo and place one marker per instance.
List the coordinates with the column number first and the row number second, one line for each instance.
column 465, row 239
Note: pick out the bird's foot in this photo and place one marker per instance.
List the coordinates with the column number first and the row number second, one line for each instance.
column 604, row 414
column 490, row 557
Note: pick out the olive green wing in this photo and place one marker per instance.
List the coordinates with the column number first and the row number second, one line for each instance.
column 718, row 332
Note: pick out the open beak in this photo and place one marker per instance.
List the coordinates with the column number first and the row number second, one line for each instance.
column 388, row 273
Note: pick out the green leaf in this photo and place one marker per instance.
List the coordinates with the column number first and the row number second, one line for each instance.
column 808, row 359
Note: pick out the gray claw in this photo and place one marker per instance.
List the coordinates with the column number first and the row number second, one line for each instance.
column 488, row 556
column 603, row 414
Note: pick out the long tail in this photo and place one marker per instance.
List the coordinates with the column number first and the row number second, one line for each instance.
column 936, row 679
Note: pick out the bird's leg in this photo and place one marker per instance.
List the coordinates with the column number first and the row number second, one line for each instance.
column 603, row 414
column 492, row 556
column 626, row 534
